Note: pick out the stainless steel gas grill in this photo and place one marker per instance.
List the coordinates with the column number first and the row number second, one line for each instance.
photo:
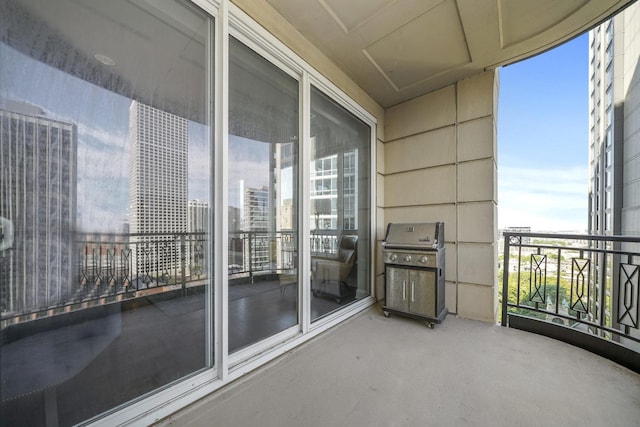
column 414, row 271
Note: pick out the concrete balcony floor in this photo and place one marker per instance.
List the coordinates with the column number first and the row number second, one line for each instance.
column 374, row 371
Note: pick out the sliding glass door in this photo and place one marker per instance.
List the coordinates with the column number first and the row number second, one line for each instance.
column 263, row 198
column 105, row 198
column 340, row 202
column 109, row 180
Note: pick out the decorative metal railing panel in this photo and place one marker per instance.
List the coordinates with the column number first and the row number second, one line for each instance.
column 262, row 252
column 113, row 267
column 586, row 283
column 628, row 296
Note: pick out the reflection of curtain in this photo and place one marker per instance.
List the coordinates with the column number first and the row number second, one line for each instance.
column 160, row 65
column 263, row 101
column 335, row 129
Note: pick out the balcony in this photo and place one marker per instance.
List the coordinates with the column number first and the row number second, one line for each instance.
column 374, row 371
column 371, row 369
column 138, row 300
column 250, row 98
column 119, row 267
column 583, row 290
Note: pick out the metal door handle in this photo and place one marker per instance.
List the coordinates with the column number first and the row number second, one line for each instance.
column 404, row 289
column 413, row 291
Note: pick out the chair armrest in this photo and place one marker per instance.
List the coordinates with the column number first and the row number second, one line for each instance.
column 330, row 270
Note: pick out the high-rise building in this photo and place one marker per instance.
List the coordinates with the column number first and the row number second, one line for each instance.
column 198, row 216
column 38, row 204
column 256, row 209
column 614, row 119
column 157, row 186
column 197, row 226
column 328, row 174
column 614, row 139
column 256, row 219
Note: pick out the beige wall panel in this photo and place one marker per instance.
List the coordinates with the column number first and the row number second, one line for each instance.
column 450, row 272
column 476, row 139
column 434, row 148
column 477, row 222
column 421, row 187
column 380, row 157
column 477, row 302
column 477, row 181
column 477, row 263
column 450, row 297
column 379, row 190
column 430, row 111
column 496, row 92
column 446, row 213
column 475, row 96
column 380, row 223
column 379, row 125
column 379, row 267
column 379, row 288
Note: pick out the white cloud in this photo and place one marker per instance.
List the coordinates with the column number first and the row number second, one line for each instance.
column 544, row 199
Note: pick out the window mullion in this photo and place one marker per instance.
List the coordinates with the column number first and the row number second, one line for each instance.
column 304, row 204
column 221, row 247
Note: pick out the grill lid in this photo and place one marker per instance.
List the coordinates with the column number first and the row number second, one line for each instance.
column 426, row 235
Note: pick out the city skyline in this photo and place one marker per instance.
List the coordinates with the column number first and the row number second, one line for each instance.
column 102, row 131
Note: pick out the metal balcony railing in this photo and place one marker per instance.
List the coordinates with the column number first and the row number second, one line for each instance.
column 107, row 267
column 259, row 252
column 581, row 289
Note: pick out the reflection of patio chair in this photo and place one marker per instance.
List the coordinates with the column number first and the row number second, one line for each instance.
column 329, row 274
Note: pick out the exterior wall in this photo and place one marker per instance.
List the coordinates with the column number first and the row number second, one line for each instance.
column 447, row 137
column 630, row 215
column 631, row 116
column 440, row 165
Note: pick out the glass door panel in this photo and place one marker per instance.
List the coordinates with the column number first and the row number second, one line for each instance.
column 340, row 219
column 263, row 198
column 105, row 187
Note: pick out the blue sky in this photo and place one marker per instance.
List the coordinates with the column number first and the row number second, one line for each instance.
column 543, row 131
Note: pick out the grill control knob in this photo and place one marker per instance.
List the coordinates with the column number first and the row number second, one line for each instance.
column 423, row 259
column 393, row 257
column 407, row 258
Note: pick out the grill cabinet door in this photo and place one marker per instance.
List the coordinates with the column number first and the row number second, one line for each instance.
column 397, row 288
column 421, row 292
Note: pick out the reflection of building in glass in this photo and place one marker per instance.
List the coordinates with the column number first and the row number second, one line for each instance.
column 197, row 226
column 38, row 198
column 256, row 219
column 235, row 239
column 286, row 215
column 256, row 209
column 235, row 219
column 157, row 186
column 350, row 187
column 197, row 216
column 332, row 209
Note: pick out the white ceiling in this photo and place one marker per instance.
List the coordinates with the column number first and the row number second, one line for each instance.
column 399, row 49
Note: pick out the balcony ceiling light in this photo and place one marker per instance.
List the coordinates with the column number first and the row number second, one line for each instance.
column 104, row 59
